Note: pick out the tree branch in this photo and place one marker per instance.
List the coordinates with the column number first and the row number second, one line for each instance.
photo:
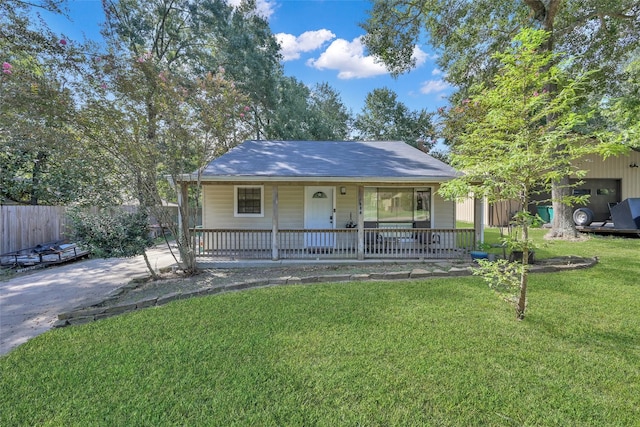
column 600, row 15
column 552, row 11
column 538, row 9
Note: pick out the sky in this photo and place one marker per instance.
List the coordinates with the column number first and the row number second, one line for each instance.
column 321, row 42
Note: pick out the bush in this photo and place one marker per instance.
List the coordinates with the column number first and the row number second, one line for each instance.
column 112, row 233
column 502, row 276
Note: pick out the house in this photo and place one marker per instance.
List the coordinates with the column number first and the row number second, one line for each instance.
column 607, row 181
column 326, row 199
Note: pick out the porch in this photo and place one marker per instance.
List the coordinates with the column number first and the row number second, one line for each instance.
column 332, row 244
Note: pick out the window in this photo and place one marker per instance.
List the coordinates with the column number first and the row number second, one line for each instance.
column 319, row 195
column 248, row 200
column 422, row 209
column 606, row 192
column 397, row 204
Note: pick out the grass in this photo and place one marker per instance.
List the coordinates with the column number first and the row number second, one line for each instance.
column 436, row 352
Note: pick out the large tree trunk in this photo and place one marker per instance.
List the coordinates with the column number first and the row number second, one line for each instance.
column 562, row 225
column 186, row 241
column 35, row 179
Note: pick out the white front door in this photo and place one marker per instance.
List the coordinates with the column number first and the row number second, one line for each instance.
column 319, row 213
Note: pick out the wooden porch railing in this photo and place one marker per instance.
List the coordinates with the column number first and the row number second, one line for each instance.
column 340, row 243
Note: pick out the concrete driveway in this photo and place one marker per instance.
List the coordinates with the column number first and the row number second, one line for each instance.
column 31, row 302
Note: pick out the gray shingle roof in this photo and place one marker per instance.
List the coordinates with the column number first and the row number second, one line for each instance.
column 347, row 160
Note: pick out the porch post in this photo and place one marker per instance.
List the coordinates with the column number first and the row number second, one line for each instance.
column 360, row 222
column 478, row 219
column 274, row 225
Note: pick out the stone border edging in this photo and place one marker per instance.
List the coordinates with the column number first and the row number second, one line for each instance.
column 93, row 312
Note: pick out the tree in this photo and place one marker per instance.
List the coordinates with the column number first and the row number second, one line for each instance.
column 307, row 114
column 114, row 234
column 251, row 55
column 331, row 120
column 165, row 89
column 42, row 160
column 384, row 118
column 510, row 150
column 623, row 110
column 596, row 34
column 291, row 120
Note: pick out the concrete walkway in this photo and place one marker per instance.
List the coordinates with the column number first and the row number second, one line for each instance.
column 30, row 302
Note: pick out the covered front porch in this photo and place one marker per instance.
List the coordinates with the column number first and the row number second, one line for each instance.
column 326, row 200
column 331, row 221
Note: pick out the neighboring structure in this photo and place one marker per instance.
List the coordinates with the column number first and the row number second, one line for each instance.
column 607, row 181
column 327, row 199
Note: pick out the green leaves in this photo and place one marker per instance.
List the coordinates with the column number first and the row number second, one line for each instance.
column 519, row 136
column 112, row 233
column 597, row 34
column 502, row 276
column 515, row 130
column 183, row 83
column 384, row 118
column 302, row 113
column 623, row 110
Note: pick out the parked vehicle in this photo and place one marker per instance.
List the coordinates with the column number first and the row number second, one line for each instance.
column 624, row 218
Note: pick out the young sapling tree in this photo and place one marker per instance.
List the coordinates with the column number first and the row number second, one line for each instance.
column 512, row 147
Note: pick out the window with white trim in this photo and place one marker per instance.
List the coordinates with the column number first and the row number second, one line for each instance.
column 248, row 200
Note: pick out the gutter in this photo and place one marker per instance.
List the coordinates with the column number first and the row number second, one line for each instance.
column 337, row 179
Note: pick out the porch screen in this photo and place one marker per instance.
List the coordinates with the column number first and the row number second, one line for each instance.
column 397, row 204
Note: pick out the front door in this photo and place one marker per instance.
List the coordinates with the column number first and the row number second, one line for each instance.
column 319, row 212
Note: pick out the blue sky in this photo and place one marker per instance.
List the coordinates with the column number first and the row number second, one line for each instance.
column 321, row 43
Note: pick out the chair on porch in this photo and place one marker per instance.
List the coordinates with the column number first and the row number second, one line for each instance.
column 373, row 240
column 427, row 240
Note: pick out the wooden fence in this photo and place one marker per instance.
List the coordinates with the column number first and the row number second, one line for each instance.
column 27, row 226
column 24, row 227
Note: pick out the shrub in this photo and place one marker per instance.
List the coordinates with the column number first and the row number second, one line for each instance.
column 112, row 233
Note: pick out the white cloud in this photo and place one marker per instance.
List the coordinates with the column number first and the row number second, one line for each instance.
column 434, row 86
column 436, row 72
column 265, row 8
column 292, row 46
column 420, row 56
column 349, row 59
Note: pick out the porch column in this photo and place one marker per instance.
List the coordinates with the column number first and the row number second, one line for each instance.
column 478, row 219
column 360, row 222
column 274, row 225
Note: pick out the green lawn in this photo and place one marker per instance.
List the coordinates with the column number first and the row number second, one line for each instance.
column 436, row 352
